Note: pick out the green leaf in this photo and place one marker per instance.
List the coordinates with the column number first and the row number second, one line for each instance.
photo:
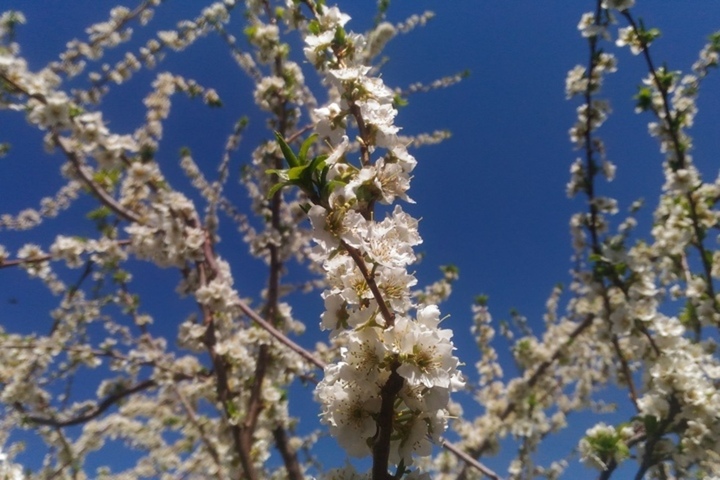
column 121, row 276
column 4, row 149
column 231, row 409
column 250, row 31
column 688, row 314
column 75, row 111
column 281, row 173
column 651, row 425
column 340, row 38
column 275, row 188
column 314, row 27
column 306, row 146
column 644, row 99
column 171, row 421
column 482, row 300
column 382, row 8
column 328, row 187
column 215, row 103
column 708, row 257
column 399, row 101
column 317, row 163
column 296, row 173
column 99, row 213
column 287, row 151
column 147, row 153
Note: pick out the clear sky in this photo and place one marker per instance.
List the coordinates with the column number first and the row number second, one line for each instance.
column 492, row 198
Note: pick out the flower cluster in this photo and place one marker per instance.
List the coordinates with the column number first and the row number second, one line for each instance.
column 215, row 400
column 390, row 388
column 628, row 286
column 8, row 470
column 603, row 444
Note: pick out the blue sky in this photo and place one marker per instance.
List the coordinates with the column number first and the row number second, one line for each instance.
column 492, row 198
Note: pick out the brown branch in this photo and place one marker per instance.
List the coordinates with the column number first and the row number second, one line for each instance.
column 225, row 396
column 530, row 382
column 556, row 355
column 469, row 460
column 289, row 457
column 97, row 190
column 203, row 435
column 255, row 402
column 274, row 332
column 370, row 280
column 130, row 16
column 280, row 336
column 71, row 457
column 626, row 372
column 252, row 414
column 23, row 261
column 43, row 258
column 590, row 168
column 384, row 422
column 298, row 133
column 108, row 402
column 364, row 134
column 21, row 89
column 311, row 5
column 115, row 355
column 56, row 66
column 673, row 127
column 69, row 152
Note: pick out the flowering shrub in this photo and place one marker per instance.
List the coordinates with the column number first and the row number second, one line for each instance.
column 327, row 185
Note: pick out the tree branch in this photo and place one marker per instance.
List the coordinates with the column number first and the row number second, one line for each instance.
column 108, row 402
column 381, row 446
column 97, row 190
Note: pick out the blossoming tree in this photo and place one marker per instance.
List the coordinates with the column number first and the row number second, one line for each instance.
column 327, row 183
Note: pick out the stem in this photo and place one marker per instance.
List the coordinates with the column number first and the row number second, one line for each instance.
column 220, row 366
column 381, row 447
column 201, row 430
column 593, row 227
column 108, row 402
column 530, row 382
column 290, row 459
column 673, row 128
column 97, row 190
column 370, row 280
column 469, row 460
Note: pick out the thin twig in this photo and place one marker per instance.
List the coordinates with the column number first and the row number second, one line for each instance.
column 469, row 460
column 108, row 402
column 99, row 192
